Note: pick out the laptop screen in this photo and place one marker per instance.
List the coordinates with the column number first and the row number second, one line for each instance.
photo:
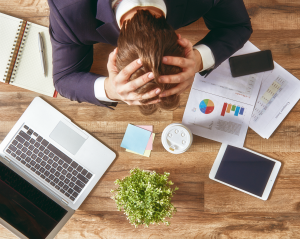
column 25, row 207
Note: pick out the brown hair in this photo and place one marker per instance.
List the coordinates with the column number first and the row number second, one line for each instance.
column 149, row 38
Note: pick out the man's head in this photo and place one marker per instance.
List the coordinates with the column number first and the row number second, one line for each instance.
column 149, row 38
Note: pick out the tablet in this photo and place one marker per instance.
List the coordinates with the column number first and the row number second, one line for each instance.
column 245, row 170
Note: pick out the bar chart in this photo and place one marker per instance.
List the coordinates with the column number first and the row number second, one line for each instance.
column 231, row 108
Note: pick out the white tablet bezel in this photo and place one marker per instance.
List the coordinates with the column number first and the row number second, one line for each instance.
column 269, row 185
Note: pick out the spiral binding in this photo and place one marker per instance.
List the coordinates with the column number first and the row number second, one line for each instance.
column 20, row 52
column 14, row 59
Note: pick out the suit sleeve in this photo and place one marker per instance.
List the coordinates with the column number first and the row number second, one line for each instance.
column 230, row 28
column 72, row 62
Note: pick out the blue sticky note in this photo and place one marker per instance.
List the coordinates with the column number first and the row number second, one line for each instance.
column 136, row 139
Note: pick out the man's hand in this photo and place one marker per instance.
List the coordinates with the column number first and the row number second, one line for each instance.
column 190, row 65
column 117, row 86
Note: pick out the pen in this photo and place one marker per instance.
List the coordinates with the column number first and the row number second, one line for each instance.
column 42, row 54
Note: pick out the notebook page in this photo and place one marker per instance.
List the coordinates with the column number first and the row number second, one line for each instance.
column 30, row 73
column 8, row 29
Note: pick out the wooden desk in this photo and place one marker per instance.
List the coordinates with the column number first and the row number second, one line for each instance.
column 206, row 209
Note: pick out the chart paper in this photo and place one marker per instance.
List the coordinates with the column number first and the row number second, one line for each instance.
column 279, row 92
column 220, row 106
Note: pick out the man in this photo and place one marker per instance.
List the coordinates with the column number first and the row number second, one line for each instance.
column 76, row 25
column 134, row 43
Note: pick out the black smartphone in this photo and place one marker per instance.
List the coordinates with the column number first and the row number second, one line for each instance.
column 251, row 63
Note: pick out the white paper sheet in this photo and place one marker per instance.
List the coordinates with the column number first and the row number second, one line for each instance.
column 29, row 74
column 279, row 92
column 220, row 106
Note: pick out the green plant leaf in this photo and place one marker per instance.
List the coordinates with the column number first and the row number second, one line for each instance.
column 145, row 197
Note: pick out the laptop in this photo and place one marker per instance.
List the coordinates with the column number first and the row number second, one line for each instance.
column 48, row 166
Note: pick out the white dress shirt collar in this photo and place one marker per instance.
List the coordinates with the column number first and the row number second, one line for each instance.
column 121, row 7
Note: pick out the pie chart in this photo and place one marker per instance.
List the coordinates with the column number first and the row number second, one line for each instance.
column 206, row 106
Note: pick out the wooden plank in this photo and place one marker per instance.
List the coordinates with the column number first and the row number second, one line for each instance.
column 206, row 209
column 199, row 225
column 219, row 198
column 33, row 11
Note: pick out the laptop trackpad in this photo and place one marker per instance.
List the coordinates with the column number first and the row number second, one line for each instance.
column 67, row 138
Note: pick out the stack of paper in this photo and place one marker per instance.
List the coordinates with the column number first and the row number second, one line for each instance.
column 220, row 106
column 138, row 139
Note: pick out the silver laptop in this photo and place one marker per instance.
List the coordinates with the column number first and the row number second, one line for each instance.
column 48, row 166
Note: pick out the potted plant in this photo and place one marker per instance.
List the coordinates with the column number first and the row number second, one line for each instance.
column 145, row 197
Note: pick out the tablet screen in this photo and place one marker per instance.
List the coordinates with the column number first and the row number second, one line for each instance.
column 247, row 171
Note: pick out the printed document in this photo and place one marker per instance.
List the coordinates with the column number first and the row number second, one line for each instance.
column 220, row 106
column 279, row 92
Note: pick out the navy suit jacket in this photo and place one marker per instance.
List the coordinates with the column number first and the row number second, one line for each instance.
column 75, row 25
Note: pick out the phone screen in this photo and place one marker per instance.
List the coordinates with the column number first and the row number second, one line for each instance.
column 251, row 63
column 245, row 170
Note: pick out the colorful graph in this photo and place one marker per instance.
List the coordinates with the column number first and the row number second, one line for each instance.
column 206, row 106
column 268, row 97
column 237, row 110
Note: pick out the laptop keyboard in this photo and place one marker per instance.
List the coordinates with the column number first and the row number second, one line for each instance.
column 58, row 170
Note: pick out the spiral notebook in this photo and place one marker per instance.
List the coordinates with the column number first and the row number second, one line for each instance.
column 20, row 62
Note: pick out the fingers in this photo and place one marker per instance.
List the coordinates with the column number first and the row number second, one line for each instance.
column 151, row 94
column 172, row 91
column 135, row 96
column 136, row 102
column 133, row 102
column 177, row 61
column 137, row 83
column 128, row 90
column 185, row 43
column 125, row 74
column 175, row 79
column 176, row 90
column 153, row 102
column 111, row 64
